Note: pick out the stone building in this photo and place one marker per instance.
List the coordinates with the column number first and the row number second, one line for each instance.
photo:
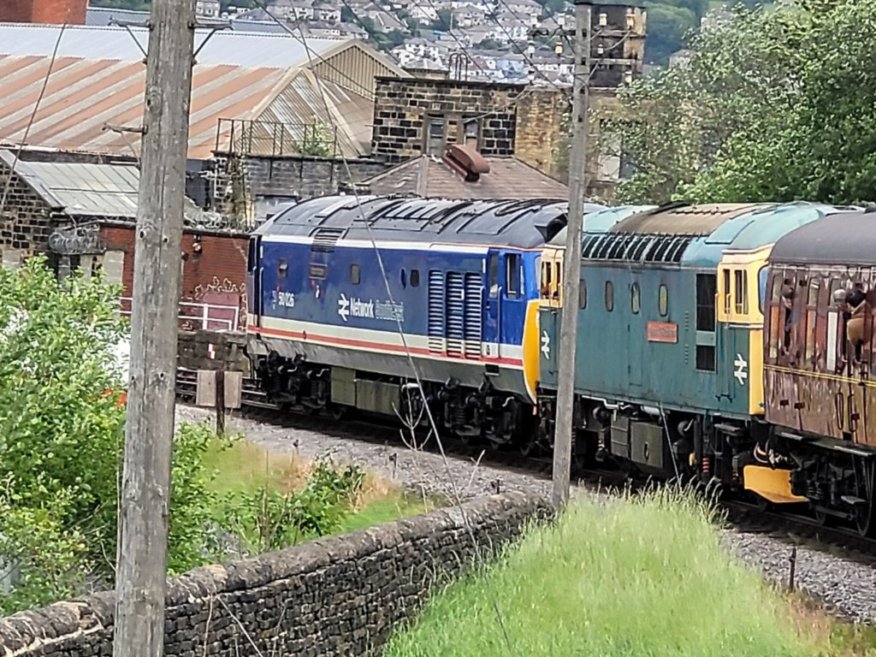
column 80, row 215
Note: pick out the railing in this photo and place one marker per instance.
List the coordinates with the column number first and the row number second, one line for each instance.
column 200, row 316
column 274, row 138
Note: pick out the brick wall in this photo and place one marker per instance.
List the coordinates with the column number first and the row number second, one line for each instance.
column 337, row 596
column 25, row 223
column 403, row 105
column 215, row 275
column 44, row 11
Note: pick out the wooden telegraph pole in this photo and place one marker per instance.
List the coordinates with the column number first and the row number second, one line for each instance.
column 142, row 554
column 572, row 264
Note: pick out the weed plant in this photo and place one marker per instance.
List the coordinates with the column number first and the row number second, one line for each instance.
column 645, row 576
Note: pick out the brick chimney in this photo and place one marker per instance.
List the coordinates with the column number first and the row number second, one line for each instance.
column 53, row 12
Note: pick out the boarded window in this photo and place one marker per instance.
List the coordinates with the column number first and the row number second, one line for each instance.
column 435, row 136
column 113, row 266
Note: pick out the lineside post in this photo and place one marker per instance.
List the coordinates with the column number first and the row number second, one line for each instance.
column 564, row 430
column 141, row 576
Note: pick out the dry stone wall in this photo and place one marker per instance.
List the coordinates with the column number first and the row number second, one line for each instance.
column 336, row 596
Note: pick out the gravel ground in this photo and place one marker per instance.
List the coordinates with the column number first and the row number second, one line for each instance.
column 845, row 587
column 417, row 471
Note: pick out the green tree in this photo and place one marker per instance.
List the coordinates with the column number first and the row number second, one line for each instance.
column 668, row 28
column 768, row 108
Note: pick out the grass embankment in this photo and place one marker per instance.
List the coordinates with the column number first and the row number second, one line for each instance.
column 646, row 576
column 246, row 468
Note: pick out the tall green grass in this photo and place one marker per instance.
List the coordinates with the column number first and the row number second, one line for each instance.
column 642, row 577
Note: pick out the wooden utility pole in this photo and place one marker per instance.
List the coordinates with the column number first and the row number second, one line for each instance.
column 141, row 573
column 564, row 429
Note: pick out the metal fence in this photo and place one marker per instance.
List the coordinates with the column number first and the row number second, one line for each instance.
column 275, row 138
column 200, row 316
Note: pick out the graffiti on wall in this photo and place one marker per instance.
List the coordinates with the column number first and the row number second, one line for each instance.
column 217, row 305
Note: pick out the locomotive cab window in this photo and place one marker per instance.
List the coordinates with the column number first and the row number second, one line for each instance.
column 282, row 268
column 355, row 274
column 740, row 291
column 513, row 276
column 725, row 283
column 493, row 274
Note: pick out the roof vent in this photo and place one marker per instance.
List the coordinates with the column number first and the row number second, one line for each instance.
column 467, row 162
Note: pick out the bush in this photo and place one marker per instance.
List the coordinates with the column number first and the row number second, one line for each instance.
column 268, row 519
column 645, row 576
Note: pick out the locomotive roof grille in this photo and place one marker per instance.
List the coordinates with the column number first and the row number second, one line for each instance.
column 507, row 223
column 635, row 247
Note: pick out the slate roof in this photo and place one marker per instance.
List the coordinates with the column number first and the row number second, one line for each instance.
column 509, row 177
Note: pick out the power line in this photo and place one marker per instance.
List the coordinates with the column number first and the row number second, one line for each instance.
column 32, row 118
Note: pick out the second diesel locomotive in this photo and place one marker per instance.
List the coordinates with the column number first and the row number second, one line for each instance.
column 713, row 348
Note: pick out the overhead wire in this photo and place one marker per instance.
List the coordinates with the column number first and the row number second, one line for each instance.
column 32, row 119
column 454, row 489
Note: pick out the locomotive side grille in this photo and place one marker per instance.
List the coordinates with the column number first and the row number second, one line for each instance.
column 436, row 312
column 474, row 294
column 324, row 239
column 455, row 314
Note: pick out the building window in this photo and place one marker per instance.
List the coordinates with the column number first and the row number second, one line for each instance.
column 635, row 299
column 471, row 131
column 609, row 296
column 415, row 278
column 435, row 136
column 355, row 274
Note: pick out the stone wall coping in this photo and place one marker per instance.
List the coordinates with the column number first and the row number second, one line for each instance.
column 24, row 632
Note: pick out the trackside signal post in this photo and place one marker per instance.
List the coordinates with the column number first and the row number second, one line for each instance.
column 142, row 554
column 572, row 261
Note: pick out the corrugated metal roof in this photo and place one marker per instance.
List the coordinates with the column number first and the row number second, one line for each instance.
column 98, row 80
column 84, row 190
column 234, row 48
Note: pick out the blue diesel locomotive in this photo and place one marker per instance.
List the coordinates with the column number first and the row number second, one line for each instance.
column 352, row 301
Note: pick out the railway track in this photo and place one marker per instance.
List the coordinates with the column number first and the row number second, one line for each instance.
column 745, row 516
